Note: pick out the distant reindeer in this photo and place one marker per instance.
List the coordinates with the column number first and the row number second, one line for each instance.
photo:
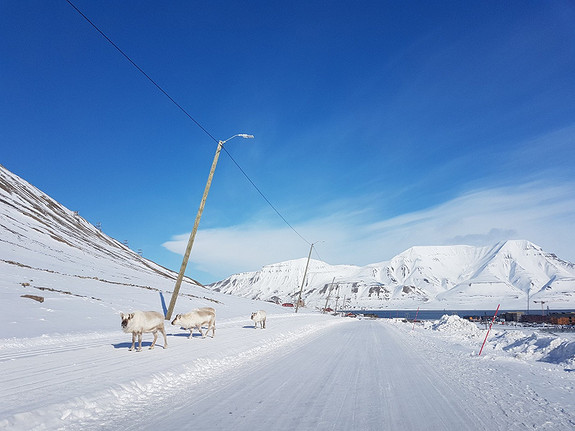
column 259, row 317
column 195, row 319
column 139, row 322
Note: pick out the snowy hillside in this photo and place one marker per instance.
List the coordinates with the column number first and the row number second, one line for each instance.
column 50, row 252
column 446, row 277
column 36, row 230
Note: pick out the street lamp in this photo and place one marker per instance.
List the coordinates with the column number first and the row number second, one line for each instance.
column 196, row 224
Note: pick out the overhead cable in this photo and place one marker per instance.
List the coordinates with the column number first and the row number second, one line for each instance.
column 165, row 93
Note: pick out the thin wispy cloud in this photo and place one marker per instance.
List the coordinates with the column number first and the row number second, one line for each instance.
column 539, row 212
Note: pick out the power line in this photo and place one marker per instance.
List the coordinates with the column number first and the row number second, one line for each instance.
column 141, row 71
column 263, row 196
column 187, row 115
column 317, row 254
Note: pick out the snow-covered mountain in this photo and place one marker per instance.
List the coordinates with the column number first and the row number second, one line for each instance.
column 44, row 242
column 444, row 277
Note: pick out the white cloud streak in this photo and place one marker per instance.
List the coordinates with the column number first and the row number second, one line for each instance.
column 539, row 212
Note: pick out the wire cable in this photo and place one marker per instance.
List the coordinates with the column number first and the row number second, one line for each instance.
column 165, row 93
column 142, row 71
column 264, row 197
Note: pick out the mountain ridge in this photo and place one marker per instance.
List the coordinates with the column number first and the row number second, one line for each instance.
column 457, row 277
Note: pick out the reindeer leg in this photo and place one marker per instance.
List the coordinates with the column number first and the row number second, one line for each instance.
column 133, row 342
column 155, row 338
column 165, row 338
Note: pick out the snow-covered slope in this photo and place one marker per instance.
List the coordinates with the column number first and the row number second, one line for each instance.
column 442, row 277
column 49, row 251
column 38, row 232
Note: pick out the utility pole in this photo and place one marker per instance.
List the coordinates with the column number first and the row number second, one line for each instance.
column 303, row 281
column 328, row 293
column 196, row 224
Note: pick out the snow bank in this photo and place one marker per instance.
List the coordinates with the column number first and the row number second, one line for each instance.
column 525, row 344
column 535, row 347
column 455, row 325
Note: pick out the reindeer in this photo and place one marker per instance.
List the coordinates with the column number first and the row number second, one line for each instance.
column 139, row 322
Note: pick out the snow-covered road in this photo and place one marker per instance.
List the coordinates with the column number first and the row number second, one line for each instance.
column 304, row 372
column 373, row 375
column 358, row 376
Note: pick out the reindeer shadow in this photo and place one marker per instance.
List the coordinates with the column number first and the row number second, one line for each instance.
column 127, row 345
column 186, row 333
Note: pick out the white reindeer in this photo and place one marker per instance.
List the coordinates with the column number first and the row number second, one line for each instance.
column 195, row 319
column 259, row 317
column 139, row 322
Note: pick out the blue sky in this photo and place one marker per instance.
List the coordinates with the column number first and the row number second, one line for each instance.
column 378, row 125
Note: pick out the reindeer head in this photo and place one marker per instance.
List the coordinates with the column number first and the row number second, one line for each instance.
column 126, row 319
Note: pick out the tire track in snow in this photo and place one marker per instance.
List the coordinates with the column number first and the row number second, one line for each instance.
column 16, row 348
column 133, row 398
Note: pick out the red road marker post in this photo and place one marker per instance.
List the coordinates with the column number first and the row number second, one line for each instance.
column 486, row 335
column 416, row 313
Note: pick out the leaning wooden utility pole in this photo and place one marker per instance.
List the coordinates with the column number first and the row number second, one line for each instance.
column 197, row 223
column 303, row 281
column 193, row 234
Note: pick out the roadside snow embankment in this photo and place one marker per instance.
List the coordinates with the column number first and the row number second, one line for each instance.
column 455, row 325
column 535, row 347
column 524, row 378
column 521, row 343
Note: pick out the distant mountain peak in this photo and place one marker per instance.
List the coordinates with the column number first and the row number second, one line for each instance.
column 448, row 276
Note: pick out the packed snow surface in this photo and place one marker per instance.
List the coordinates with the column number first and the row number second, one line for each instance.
column 65, row 363
column 304, row 371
